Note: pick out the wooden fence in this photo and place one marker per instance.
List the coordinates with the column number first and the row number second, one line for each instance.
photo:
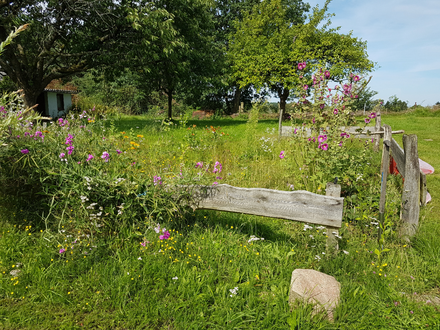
column 302, row 206
column 407, row 162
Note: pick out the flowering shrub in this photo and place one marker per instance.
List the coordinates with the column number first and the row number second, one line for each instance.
column 330, row 152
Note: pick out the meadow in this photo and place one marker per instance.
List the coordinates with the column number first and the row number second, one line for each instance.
column 91, row 237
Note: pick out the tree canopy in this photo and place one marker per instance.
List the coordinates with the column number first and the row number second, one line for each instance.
column 268, row 46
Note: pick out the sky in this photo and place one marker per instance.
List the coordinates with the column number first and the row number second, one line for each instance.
column 403, row 38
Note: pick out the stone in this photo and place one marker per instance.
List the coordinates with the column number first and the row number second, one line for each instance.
column 312, row 287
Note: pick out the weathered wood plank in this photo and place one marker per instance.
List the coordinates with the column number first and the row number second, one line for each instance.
column 300, row 206
column 411, row 187
column 384, row 174
column 332, row 190
column 377, row 127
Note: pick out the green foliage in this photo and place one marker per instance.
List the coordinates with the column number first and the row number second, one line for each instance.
column 267, row 48
column 395, row 105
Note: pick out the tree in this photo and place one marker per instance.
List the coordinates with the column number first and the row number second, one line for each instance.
column 180, row 61
column 228, row 13
column 269, row 47
column 394, row 104
column 64, row 37
column 365, row 100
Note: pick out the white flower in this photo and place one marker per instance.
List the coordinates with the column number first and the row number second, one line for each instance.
column 307, row 227
column 346, row 252
column 140, row 258
column 317, row 257
column 234, row 291
column 175, row 278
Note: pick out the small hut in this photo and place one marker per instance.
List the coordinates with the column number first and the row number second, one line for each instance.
column 56, row 99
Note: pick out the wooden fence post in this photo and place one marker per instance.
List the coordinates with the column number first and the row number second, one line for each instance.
column 377, row 128
column 332, row 190
column 411, row 188
column 384, row 173
column 423, row 188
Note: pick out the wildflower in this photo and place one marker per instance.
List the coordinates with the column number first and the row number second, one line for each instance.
column 305, row 87
column 70, row 149
column 175, row 278
column 234, row 291
column 367, row 120
column 140, row 258
column 118, row 151
column 105, row 156
column 346, row 252
column 219, row 169
column 157, row 228
column 335, row 111
column 282, row 154
column 62, row 251
column 372, row 115
column 24, row 151
column 327, row 74
column 90, row 157
column 157, row 180
column 356, row 78
column 199, row 164
column 322, row 138
column 324, row 146
column 214, row 183
column 62, row 155
column 166, row 235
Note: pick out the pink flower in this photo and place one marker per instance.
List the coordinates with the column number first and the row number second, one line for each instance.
column 199, row 164
column 105, row 156
column 367, row 120
column 306, row 87
column 356, row 78
column 90, row 157
column 282, row 154
column 322, row 138
column 157, row 180
column 335, row 111
column 166, row 235
column 24, row 151
column 327, row 74
column 118, row 151
column 324, row 146
column 217, row 167
column 62, row 155
column 62, row 251
column 214, row 183
column 372, row 115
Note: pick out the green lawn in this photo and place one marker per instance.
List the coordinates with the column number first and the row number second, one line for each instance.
column 210, row 274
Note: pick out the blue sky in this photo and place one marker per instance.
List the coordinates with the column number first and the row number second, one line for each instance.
column 403, row 37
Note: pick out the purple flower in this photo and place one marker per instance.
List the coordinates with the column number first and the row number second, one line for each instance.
column 324, row 146
column 24, row 151
column 90, row 157
column 214, row 183
column 166, row 235
column 302, row 66
column 322, row 138
column 367, row 120
column 219, row 178
column 118, row 151
column 282, row 154
column 62, row 155
column 199, row 164
column 219, row 169
column 372, row 115
column 356, row 78
column 340, row 144
column 305, row 87
column 294, row 132
column 105, row 156
column 62, row 251
column 327, row 74
column 70, row 149
column 313, row 120
column 157, row 180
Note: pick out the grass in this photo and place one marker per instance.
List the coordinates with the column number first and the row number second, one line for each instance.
column 112, row 281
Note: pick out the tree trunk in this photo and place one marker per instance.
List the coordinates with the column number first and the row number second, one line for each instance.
column 170, row 104
column 237, row 96
column 31, row 96
column 283, row 94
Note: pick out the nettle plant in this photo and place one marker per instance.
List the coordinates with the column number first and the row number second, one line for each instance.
column 330, row 151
